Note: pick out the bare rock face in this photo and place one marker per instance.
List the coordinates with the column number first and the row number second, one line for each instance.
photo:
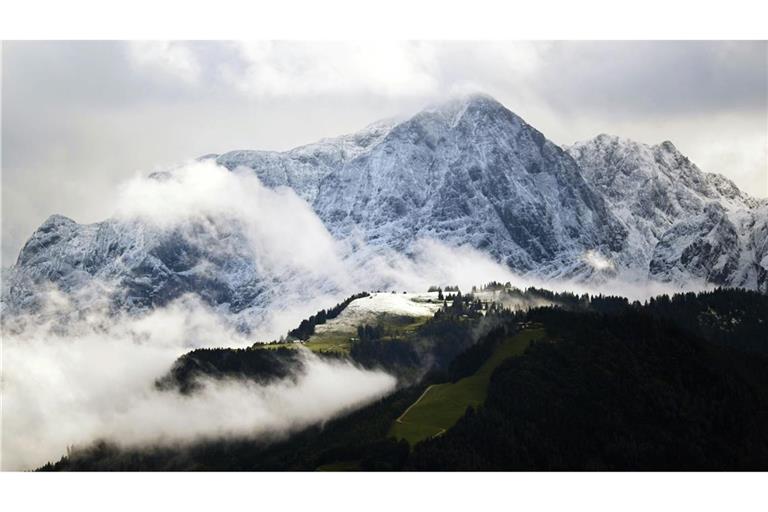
column 471, row 172
column 466, row 172
column 137, row 266
column 683, row 223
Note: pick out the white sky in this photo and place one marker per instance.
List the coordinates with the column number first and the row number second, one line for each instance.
column 79, row 118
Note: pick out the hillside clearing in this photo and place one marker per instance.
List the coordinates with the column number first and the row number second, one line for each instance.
column 441, row 405
column 398, row 313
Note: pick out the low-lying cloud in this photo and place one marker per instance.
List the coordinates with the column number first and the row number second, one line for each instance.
column 282, row 230
column 75, row 371
column 96, row 381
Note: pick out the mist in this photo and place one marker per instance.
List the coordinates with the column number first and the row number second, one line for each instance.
column 96, row 381
column 76, row 371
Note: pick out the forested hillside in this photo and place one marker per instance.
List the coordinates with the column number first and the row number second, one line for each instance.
column 628, row 391
column 676, row 383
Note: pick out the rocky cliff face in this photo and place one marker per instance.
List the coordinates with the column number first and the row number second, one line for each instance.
column 472, row 172
column 682, row 223
column 303, row 168
column 133, row 265
column 468, row 171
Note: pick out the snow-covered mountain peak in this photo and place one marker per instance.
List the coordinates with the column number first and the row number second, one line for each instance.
column 466, row 172
column 621, row 168
column 453, row 109
column 681, row 220
column 668, row 147
column 469, row 171
column 304, row 168
column 55, row 220
column 52, row 230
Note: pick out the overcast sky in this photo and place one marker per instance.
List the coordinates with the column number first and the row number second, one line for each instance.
column 78, row 118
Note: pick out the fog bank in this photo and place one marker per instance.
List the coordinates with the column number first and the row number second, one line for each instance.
column 75, row 371
column 70, row 389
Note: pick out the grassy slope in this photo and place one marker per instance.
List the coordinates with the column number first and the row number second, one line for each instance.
column 441, row 405
column 347, row 465
column 340, row 340
column 331, row 341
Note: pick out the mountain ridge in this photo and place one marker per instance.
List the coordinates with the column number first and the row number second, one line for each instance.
column 669, row 206
column 466, row 172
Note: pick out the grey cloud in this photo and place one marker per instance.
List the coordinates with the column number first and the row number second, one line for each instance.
column 81, row 117
column 652, row 78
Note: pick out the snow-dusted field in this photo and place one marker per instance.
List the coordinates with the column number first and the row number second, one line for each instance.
column 368, row 309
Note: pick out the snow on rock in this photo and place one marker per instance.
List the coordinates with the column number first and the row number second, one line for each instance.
column 303, row 168
column 467, row 172
column 471, row 172
column 682, row 223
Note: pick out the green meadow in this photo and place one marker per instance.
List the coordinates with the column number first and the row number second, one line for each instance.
column 441, row 405
column 340, row 340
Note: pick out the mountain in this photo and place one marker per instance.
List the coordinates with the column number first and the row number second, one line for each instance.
column 682, row 223
column 303, row 168
column 140, row 265
column 467, row 171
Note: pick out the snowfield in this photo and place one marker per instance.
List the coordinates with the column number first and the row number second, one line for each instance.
column 369, row 309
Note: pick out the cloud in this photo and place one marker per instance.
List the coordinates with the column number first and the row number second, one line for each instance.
column 283, row 233
column 651, row 79
column 431, row 262
column 295, row 69
column 174, row 58
column 94, row 380
column 598, row 261
column 77, row 113
column 76, row 371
